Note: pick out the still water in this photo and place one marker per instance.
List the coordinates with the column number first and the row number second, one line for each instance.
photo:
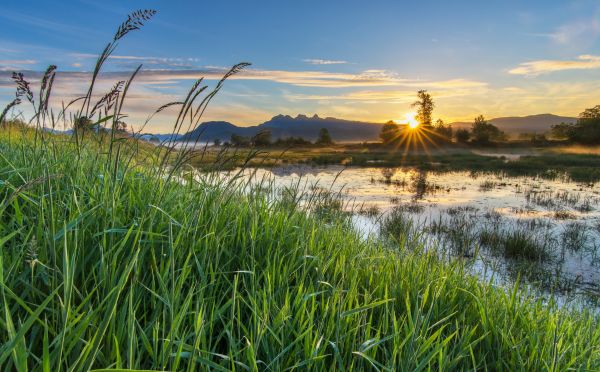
column 459, row 213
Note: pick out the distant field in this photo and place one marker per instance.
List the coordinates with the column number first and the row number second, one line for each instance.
column 579, row 163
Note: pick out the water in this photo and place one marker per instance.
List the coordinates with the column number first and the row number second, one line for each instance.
column 560, row 217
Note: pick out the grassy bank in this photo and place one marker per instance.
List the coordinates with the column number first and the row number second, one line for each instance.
column 108, row 263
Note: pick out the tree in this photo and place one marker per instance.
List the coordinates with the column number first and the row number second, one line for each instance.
column 562, row 131
column 425, row 108
column 389, row 132
column 462, row 135
column 590, row 114
column 485, row 132
column 443, row 130
column 292, row 142
column 262, row 138
column 217, row 142
column 121, row 126
column 324, row 138
column 239, row 141
column 82, row 124
column 586, row 131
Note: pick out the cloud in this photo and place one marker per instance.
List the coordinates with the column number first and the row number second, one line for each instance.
column 324, row 61
column 319, row 79
column 534, row 68
column 15, row 64
column 125, row 61
column 440, row 89
column 576, row 32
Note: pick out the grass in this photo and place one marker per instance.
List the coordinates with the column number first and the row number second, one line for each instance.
column 105, row 269
column 117, row 256
column 580, row 167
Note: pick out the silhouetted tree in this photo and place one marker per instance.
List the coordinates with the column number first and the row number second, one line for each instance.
column 463, row 135
column 390, row 132
column 82, row 124
column 425, row 108
column 443, row 130
column 239, row 141
column 324, row 138
column 262, row 138
column 585, row 131
column 121, row 126
column 485, row 132
column 562, row 131
column 292, row 141
column 217, row 142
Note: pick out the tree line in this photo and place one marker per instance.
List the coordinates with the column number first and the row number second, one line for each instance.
column 264, row 138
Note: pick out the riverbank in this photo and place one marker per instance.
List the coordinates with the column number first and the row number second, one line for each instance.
column 110, row 263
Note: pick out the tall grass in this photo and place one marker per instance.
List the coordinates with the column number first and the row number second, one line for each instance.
column 114, row 256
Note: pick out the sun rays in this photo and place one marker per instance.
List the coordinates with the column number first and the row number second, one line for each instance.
column 412, row 136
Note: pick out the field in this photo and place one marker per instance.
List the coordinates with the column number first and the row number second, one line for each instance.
column 581, row 164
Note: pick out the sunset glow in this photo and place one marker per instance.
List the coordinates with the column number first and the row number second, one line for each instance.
column 410, row 119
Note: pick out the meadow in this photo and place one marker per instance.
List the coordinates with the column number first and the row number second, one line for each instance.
column 116, row 254
column 581, row 164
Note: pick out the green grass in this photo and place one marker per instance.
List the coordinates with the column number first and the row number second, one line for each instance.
column 114, row 256
column 108, row 266
column 548, row 163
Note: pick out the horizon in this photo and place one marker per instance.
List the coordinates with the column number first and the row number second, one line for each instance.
column 348, row 62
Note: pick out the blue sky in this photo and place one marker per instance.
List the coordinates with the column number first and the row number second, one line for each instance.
column 349, row 59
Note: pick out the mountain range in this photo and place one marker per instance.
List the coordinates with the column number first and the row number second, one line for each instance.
column 282, row 126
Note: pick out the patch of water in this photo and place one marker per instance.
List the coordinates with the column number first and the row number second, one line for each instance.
column 560, row 217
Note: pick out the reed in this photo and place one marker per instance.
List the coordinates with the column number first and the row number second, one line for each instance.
column 115, row 255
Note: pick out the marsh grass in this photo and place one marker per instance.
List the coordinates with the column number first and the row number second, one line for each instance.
column 116, row 256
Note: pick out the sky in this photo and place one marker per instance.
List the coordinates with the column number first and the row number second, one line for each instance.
column 349, row 59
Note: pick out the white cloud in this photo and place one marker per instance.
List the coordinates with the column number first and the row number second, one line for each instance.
column 534, row 68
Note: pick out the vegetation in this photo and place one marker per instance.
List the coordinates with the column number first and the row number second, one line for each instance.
column 425, row 107
column 324, row 138
column 462, row 135
column 585, row 131
column 443, row 131
column 117, row 271
column 115, row 255
column 390, row 132
column 484, row 132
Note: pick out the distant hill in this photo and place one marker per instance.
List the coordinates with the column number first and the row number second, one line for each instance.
column 522, row 124
column 352, row 131
column 286, row 126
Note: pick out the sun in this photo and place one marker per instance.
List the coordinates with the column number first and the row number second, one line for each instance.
column 410, row 119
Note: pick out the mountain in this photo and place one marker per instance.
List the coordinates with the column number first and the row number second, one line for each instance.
column 522, row 124
column 282, row 126
column 352, row 131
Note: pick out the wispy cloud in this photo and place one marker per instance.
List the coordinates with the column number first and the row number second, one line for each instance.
column 534, row 68
column 576, row 31
column 441, row 89
column 316, row 61
column 15, row 64
column 321, row 79
column 125, row 61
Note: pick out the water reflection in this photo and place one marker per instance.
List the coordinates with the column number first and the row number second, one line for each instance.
column 546, row 231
